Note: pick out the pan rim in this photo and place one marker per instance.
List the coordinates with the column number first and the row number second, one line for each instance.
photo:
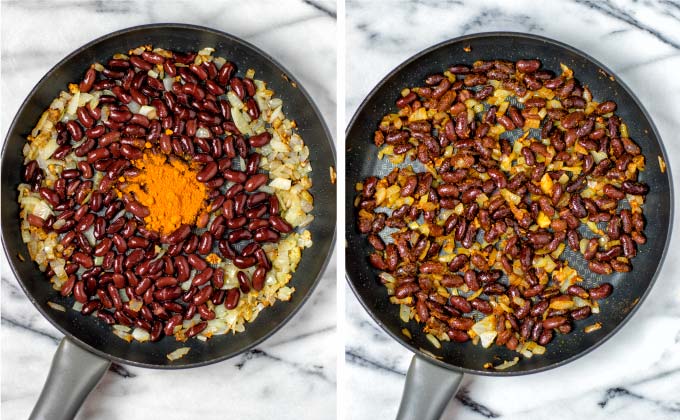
column 327, row 138
column 655, row 133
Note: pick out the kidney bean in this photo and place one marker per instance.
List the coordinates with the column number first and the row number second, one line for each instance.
column 629, row 250
column 202, row 278
column 178, row 235
column 545, row 337
column 635, row 188
column 482, row 306
column 168, row 293
column 231, row 301
column 260, row 140
column 171, row 324
column 460, row 303
column 82, row 259
column 470, row 279
column 620, row 266
column 89, row 79
column 259, row 278
column 527, row 66
column 600, row 267
column 406, row 289
column 601, row 292
column 460, row 323
column 553, row 322
column 196, row 329
column 245, row 262
column 255, row 182
column 265, row 235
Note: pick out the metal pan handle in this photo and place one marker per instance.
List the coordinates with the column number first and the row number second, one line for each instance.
column 73, row 374
column 428, row 389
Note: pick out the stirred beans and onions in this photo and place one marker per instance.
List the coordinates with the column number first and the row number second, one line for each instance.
column 168, row 194
column 502, row 171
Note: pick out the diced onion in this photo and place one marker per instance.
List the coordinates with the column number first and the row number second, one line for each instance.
column 506, row 364
column 56, row 306
column 203, row 133
column 179, row 353
column 167, row 83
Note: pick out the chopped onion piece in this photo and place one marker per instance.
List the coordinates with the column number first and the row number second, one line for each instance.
column 179, row 353
column 404, row 313
column 506, row 364
column 141, row 335
column 432, row 339
column 281, row 184
column 148, row 111
column 203, row 133
column 134, row 107
column 167, row 83
column 593, row 327
column 56, row 306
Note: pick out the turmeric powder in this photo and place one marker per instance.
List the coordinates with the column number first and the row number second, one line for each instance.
column 169, row 189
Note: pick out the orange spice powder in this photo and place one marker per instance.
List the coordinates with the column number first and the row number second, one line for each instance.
column 169, row 189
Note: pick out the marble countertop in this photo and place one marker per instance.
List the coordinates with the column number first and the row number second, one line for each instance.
column 291, row 375
column 634, row 375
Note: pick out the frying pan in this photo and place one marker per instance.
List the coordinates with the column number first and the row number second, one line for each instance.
column 89, row 346
column 434, row 375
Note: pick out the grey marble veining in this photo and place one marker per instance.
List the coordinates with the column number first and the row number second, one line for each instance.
column 291, row 375
column 636, row 374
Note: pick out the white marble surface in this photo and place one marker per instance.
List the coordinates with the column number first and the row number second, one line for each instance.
column 291, row 375
column 636, row 374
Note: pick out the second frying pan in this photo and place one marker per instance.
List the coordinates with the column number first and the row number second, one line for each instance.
column 435, row 374
column 89, row 347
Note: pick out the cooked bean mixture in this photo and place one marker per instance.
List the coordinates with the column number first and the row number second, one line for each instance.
column 503, row 172
column 167, row 194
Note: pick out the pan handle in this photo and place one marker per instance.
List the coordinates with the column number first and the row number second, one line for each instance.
column 428, row 389
column 73, row 374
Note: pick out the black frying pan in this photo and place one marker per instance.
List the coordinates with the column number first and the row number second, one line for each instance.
column 434, row 374
column 89, row 346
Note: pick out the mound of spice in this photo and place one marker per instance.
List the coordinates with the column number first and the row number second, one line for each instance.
column 168, row 188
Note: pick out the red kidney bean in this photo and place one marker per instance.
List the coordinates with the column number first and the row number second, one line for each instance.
column 243, row 281
column 528, row 66
column 246, row 262
column 580, row 313
column 255, row 182
column 89, row 79
column 196, row 262
column 202, row 278
column 279, row 224
column 171, row 324
column 601, row 292
column 178, row 235
column 231, row 301
column 600, row 267
column 205, row 243
column 235, row 176
column 553, row 322
column 259, row 278
column 460, row 323
column 208, row 172
column 260, row 140
column 202, row 295
column 196, row 329
column 460, row 303
column 168, row 293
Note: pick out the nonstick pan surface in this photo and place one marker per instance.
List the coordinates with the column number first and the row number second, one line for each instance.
column 629, row 288
column 92, row 334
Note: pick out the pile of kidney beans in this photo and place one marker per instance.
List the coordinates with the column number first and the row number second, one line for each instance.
column 245, row 217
